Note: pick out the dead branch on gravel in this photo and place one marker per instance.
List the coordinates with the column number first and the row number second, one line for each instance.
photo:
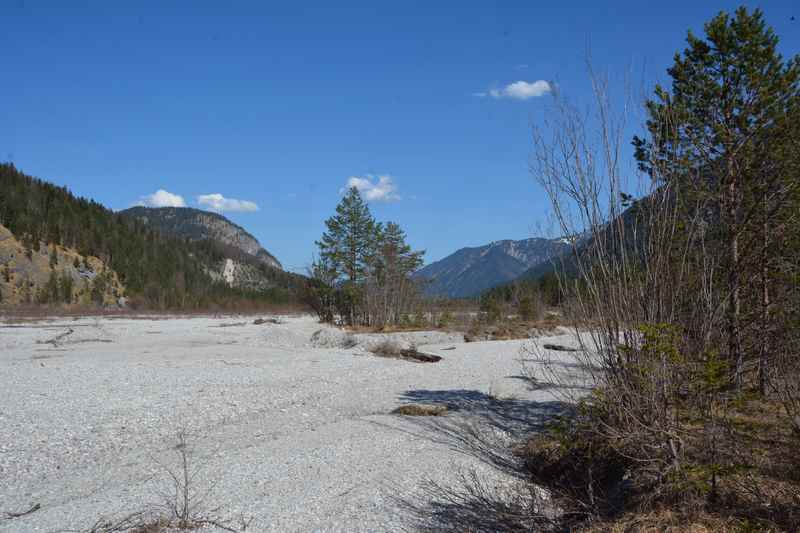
column 260, row 321
column 55, row 341
column 11, row 515
column 559, row 348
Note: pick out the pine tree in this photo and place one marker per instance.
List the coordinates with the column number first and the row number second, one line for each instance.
column 396, row 254
column 66, row 284
column 349, row 244
column 391, row 285
column 730, row 95
column 53, row 256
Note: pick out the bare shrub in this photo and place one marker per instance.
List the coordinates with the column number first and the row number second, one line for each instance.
column 669, row 331
column 387, row 348
column 183, row 500
column 671, row 297
column 475, row 505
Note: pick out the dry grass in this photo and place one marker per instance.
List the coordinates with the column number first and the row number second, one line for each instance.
column 756, row 486
column 510, row 329
column 421, row 409
column 667, row 521
column 389, row 328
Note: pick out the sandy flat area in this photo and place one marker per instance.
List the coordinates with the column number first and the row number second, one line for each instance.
column 289, row 426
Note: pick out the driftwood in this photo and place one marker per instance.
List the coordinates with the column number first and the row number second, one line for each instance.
column 58, row 338
column 559, row 348
column 259, row 321
column 10, row 515
column 420, row 357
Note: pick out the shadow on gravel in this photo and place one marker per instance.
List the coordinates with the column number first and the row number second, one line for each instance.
column 510, row 415
column 483, row 426
column 491, row 430
column 535, row 384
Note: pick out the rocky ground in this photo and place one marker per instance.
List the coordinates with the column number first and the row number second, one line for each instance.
column 289, row 423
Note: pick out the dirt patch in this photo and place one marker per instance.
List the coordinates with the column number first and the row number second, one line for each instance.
column 421, row 409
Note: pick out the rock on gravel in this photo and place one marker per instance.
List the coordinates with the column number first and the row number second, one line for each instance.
column 332, row 338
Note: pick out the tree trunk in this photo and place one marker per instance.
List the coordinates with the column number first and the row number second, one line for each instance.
column 734, row 305
column 765, row 330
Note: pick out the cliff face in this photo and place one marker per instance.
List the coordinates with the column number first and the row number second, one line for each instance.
column 53, row 274
column 195, row 224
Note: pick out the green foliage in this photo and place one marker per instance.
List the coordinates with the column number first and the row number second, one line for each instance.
column 490, row 310
column 53, row 257
column 445, row 319
column 100, row 285
column 526, row 308
column 545, row 288
column 351, row 240
column 363, row 273
column 725, row 90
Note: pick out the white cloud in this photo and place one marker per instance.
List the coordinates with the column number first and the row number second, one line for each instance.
column 162, row 198
column 383, row 190
column 217, row 202
column 520, row 90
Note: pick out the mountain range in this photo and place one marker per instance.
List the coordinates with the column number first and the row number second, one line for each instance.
column 470, row 271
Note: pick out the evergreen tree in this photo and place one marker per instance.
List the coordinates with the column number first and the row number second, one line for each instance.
column 391, row 290
column 53, row 256
column 349, row 244
column 363, row 270
column 713, row 132
column 66, row 284
column 395, row 254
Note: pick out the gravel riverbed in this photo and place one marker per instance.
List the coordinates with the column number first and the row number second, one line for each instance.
column 288, row 426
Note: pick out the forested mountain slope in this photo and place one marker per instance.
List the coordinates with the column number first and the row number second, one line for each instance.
column 195, row 225
column 158, row 270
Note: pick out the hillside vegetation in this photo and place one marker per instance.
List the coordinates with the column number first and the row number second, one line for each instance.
column 156, row 270
column 53, row 274
column 197, row 225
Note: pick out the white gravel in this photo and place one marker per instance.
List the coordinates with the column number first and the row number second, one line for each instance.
column 295, row 434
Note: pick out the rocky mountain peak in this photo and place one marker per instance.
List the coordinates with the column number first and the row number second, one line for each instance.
column 196, row 224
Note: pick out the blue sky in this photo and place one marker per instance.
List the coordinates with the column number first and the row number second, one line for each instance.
column 279, row 104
